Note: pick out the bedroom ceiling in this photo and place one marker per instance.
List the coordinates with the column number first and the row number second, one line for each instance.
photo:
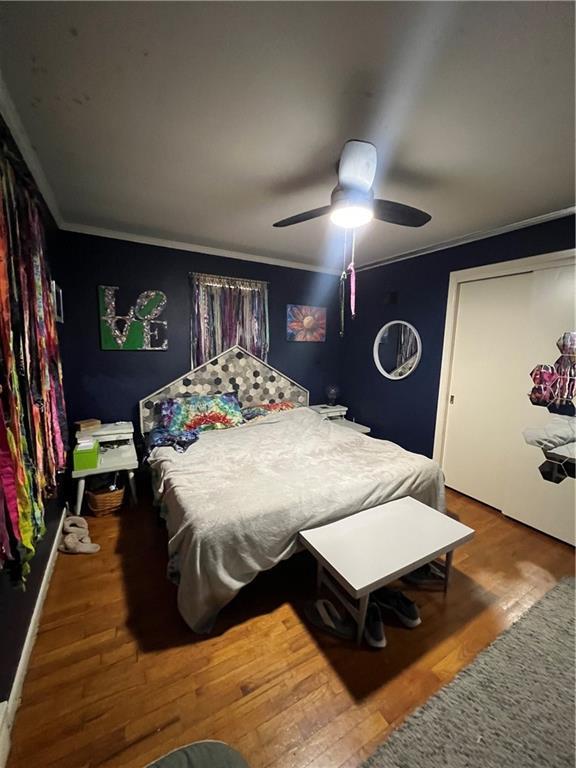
column 206, row 122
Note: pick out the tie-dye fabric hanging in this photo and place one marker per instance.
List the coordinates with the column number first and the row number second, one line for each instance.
column 227, row 311
column 32, row 416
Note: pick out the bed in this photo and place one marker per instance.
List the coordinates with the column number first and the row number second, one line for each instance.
column 235, row 501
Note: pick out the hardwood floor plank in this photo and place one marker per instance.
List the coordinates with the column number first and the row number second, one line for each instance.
column 371, row 727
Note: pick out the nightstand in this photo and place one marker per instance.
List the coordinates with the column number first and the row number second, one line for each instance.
column 331, row 412
column 117, row 454
column 337, row 414
column 364, row 430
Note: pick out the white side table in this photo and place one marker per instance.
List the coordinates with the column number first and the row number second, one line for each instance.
column 362, row 428
column 367, row 550
column 122, row 458
column 332, row 412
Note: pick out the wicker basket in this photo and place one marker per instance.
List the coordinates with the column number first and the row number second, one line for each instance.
column 102, row 503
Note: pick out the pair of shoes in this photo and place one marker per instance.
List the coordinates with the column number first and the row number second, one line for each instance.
column 429, row 575
column 76, row 537
column 385, row 599
column 405, row 610
column 374, row 628
column 324, row 615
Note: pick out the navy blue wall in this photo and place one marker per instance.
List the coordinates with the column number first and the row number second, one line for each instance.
column 405, row 411
column 108, row 385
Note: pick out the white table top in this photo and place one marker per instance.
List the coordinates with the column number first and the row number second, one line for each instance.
column 371, row 548
column 112, row 460
column 328, row 409
column 354, row 425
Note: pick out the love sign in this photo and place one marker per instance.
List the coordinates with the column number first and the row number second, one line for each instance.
column 139, row 328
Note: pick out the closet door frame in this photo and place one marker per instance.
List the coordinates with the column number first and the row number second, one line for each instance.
column 515, row 267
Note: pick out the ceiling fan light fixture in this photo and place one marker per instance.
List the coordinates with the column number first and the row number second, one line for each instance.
column 351, row 216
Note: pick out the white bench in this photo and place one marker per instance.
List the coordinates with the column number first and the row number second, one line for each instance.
column 367, row 550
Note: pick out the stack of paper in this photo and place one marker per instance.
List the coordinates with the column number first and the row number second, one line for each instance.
column 85, row 443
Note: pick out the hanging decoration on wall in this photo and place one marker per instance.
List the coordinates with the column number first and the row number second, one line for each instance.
column 304, row 323
column 228, row 311
column 139, row 328
column 554, row 388
column 57, row 301
column 32, row 411
column 348, row 269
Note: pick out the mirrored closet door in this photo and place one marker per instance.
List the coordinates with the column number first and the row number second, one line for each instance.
column 505, row 327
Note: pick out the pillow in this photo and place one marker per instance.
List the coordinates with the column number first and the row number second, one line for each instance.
column 180, row 441
column 252, row 412
column 201, row 412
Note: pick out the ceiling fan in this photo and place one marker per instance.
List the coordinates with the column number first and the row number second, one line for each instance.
column 352, row 200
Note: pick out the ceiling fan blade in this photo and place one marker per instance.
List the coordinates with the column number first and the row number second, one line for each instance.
column 357, row 167
column 306, row 216
column 397, row 213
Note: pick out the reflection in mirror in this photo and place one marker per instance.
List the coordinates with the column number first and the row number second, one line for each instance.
column 397, row 349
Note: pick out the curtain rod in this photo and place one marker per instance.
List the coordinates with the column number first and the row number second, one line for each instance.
column 204, row 277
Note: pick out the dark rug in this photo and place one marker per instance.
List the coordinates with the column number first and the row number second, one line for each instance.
column 513, row 707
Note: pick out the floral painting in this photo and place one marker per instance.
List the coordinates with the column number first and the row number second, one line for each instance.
column 304, row 323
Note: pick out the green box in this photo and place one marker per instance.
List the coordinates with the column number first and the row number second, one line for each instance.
column 86, row 458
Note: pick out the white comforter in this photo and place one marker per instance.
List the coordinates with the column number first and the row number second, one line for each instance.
column 236, row 500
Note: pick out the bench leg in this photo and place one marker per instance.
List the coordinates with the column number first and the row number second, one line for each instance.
column 448, row 570
column 362, row 617
column 319, row 577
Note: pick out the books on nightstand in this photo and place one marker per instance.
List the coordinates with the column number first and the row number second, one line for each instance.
column 86, row 424
column 117, row 431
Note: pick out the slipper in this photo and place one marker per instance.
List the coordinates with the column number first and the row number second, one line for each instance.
column 82, row 534
column 76, row 520
column 324, row 615
column 72, row 545
column 71, row 527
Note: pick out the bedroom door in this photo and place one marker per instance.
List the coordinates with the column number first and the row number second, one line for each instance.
column 505, row 327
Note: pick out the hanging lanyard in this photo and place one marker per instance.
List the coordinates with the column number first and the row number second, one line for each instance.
column 347, row 269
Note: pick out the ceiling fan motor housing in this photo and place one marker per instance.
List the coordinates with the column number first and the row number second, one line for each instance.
column 357, row 167
column 344, row 196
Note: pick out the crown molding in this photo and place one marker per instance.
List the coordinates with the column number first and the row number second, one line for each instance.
column 471, row 238
column 179, row 245
column 12, row 119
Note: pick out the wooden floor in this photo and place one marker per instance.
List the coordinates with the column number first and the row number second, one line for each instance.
column 116, row 678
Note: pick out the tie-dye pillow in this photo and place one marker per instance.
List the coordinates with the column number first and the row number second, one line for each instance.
column 201, row 412
column 252, row 412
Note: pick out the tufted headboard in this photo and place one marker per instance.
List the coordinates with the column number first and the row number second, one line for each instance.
column 234, row 370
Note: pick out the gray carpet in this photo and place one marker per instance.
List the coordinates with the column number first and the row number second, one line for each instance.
column 513, row 707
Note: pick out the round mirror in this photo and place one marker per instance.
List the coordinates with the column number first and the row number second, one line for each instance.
column 397, row 349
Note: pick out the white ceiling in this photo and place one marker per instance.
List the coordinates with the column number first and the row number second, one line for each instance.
column 205, row 122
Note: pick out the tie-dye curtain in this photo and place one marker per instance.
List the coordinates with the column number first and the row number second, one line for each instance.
column 228, row 311
column 32, row 418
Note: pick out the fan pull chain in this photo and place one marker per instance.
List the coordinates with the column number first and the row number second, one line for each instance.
column 352, row 270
